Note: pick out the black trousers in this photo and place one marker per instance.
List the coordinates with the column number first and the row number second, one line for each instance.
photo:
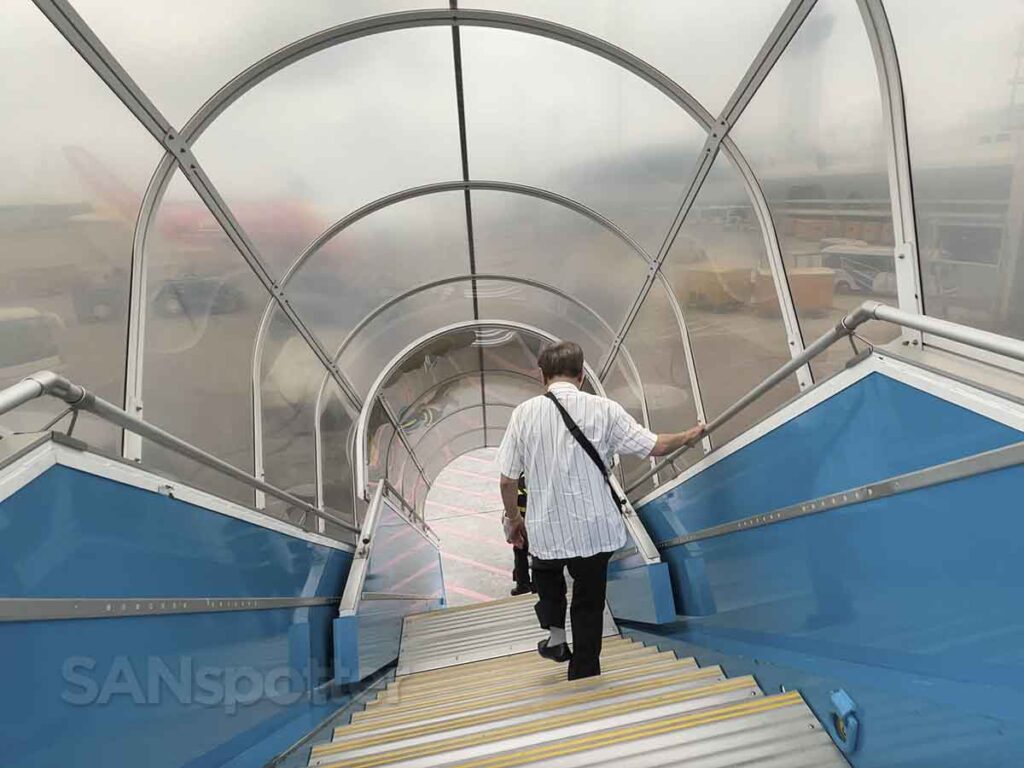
column 590, row 579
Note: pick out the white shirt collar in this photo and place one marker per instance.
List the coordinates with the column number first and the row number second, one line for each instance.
column 562, row 386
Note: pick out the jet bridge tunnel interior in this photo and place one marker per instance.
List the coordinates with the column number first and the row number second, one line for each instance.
column 304, row 256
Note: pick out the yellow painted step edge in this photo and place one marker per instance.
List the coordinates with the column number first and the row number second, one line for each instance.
column 633, row 733
column 372, row 719
column 468, row 608
column 499, row 624
column 535, row 726
column 503, row 665
column 513, row 677
column 390, row 700
column 663, row 671
column 521, row 666
column 518, row 710
column 608, row 643
column 535, row 684
column 612, row 643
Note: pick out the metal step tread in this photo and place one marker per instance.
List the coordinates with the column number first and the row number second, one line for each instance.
column 501, row 664
column 447, row 614
column 489, row 665
column 622, row 681
column 434, row 622
column 469, row 634
column 514, row 665
column 768, row 732
column 472, row 692
column 538, row 682
column 550, row 728
column 551, row 711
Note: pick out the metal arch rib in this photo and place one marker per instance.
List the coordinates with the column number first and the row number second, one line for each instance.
column 718, row 141
column 298, row 50
column 437, row 188
column 397, row 299
column 456, row 377
column 478, row 277
column 392, row 365
column 457, row 186
column 465, row 432
column 497, row 186
column 393, row 418
column 901, row 188
column 469, row 450
column 374, row 397
column 336, row 35
column 466, row 374
column 293, row 52
column 444, row 418
column 375, row 25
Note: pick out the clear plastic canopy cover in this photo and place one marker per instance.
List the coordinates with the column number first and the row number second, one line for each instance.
column 367, row 218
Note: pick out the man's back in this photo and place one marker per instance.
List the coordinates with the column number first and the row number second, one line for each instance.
column 573, row 523
column 571, row 510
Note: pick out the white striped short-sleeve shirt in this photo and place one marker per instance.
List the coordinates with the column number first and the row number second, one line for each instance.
column 570, row 512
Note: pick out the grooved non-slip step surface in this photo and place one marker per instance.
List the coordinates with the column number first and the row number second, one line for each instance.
column 472, row 692
column 474, row 633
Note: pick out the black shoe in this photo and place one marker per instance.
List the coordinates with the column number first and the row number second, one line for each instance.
column 559, row 653
column 522, row 589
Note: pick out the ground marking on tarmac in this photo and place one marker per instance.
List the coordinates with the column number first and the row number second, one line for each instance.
column 493, row 494
column 474, row 563
column 491, row 478
column 431, row 502
column 477, row 459
column 444, row 530
column 410, row 577
column 462, row 591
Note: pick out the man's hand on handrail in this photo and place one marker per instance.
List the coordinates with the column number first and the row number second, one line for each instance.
column 667, row 443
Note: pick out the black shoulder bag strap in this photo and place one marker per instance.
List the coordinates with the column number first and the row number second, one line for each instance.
column 589, row 449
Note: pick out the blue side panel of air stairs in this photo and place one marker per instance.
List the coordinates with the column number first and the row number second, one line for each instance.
column 402, row 563
column 640, row 592
column 908, row 604
column 153, row 689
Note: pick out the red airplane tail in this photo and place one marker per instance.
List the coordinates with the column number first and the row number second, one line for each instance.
column 110, row 191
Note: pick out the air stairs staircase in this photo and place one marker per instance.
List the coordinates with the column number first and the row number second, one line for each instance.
column 471, row 691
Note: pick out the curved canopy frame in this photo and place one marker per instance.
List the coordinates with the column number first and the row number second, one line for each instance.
column 396, row 300
column 411, row 193
column 178, row 154
column 386, row 373
column 179, row 145
column 426, row 393
column 439, row 422
column 385, row 202
column 257, row 396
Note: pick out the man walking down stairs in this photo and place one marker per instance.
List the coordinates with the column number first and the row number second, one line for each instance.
column 565, row 441
column 472, row 692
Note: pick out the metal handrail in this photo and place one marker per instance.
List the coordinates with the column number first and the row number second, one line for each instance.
column 81, row 399
column 383, row 494
column 414, row 516
column 361, row 558
column 869, row 310
column 397, row 494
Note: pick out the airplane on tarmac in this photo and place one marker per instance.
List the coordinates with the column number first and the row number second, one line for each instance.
column 289, row 220
column 284, row 225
